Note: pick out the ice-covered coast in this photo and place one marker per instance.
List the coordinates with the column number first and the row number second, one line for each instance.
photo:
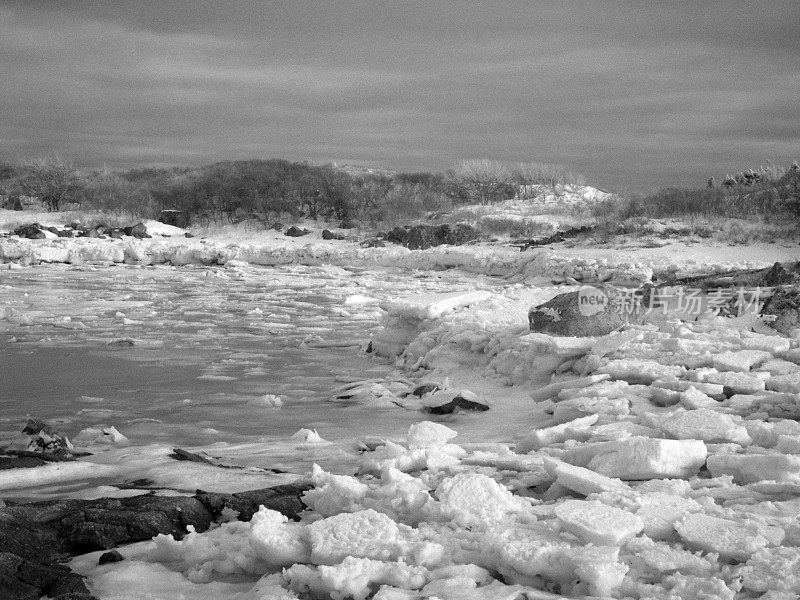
column 658, row 461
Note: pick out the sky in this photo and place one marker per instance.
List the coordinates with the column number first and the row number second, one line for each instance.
column 635, row 95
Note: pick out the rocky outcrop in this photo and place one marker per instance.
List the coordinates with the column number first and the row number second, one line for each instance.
column 295, row 231
column 421, row 237
column 588, row 312
column 784, row 305
column 35, row 537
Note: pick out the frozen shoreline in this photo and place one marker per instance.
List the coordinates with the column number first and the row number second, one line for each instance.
column 659, row 462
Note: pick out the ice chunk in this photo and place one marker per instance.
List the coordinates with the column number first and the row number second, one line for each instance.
column 692, row 587
column 333, row 494
column 620, row 430
column 552, row 390
column 660, row 511
column 750, row 468
column 364, row 534
column 597, row 523
column 433, row 306
column 575, row 408
column 278, row 542
column 527, row 553
column 707, row 425
column 640, row 370
column 428, row 434
column 727, row 538
column 785, row 383
column 694, row 398
column 354, row 578
column 773, row 569
column 476, row 499
column 736, row 383
column 539, row 438
column 581, row 480
column 778, row 366
column 768, row 343
column 741, row 360
column 645, row 458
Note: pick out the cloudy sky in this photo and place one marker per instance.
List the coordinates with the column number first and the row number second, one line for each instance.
column 637, row 95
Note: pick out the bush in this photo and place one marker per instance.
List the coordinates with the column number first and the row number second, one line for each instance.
column 482, row 181
column 51, row 180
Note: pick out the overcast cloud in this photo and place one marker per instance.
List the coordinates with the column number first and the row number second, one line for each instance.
column 637, row 95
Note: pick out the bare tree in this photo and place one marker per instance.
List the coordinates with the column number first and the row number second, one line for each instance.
column 51, row 180
column 485, row 180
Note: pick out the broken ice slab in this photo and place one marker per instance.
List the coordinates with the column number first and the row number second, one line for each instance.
column 640, row 458
column 552, row 390
column 741, row 360
column 539, row 438
column 582, row 480
column 784, row 383
column 750, row 468
column 597, row 523
column 707, row 425
column 725, row 537
column 736, row 383
column 433, row 306
column 641, row 370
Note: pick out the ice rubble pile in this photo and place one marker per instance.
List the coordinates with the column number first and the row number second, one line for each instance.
column 665, row 463
column 492, row 260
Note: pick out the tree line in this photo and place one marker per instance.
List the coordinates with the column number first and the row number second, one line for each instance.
column 232, row 190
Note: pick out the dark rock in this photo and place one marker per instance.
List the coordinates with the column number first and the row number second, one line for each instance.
column 327, row 234
column 421, row 237
column 397, row 235
column 425, row 388
column 111, row 556
column 779, row 274
column 36, row 536
column 32, row 231
column 188, row 235
column 459, row 402
column 369, row 349
column 285, row 499
column 373, row 243
column 139, row 231
column 176, row 218
column 52, row 229
column 784, row 304
column 66, row 233
column 122, row 343
column 91, row 233
column 294, row 231
column 45, row 440
column 20, row 462
column 277, row 226
column 589, row 312
column 116, row 234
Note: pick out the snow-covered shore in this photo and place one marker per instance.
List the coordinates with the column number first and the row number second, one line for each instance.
column 661, row 461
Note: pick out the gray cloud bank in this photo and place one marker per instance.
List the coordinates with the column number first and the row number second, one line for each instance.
column 637, row 95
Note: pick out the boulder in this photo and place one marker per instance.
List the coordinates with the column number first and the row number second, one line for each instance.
column 294, row 231
column 397, row 235
column 421, row 237
column 33, row 231
column 460, row 403
column 784, row 305
column 139, row 231
column 589, row 312
column 176, row 218
column 327, row 234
